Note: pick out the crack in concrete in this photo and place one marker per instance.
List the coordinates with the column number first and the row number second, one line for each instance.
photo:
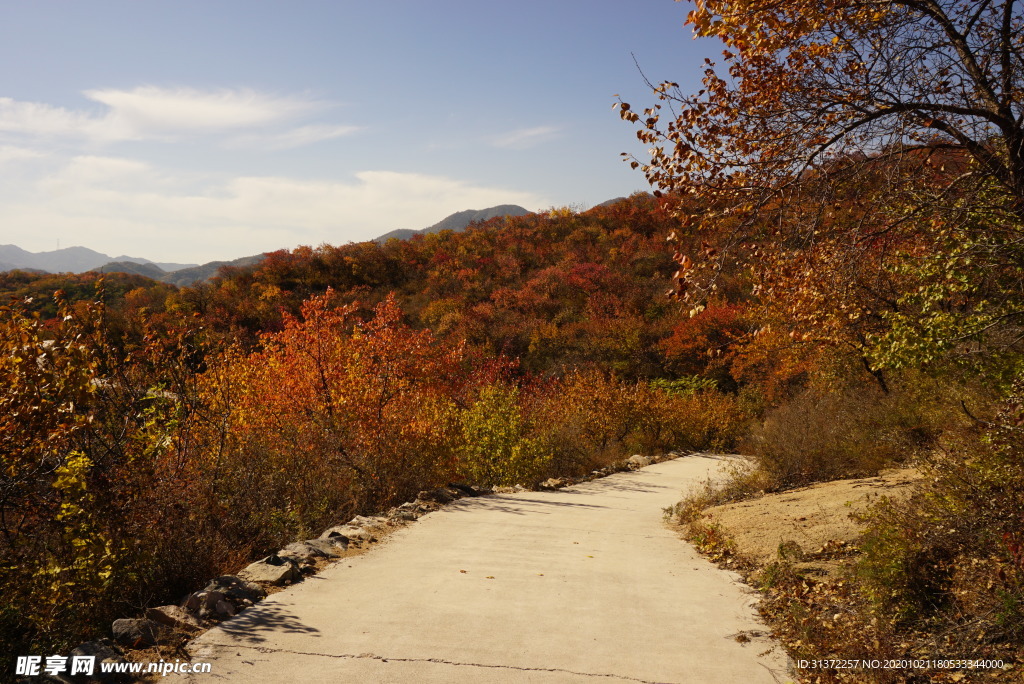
column 442, row 661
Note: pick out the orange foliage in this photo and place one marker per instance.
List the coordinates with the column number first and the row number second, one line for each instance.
column 344, row 414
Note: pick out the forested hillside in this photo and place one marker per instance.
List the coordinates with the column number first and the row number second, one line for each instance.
column 827, row 278
column 330, row 381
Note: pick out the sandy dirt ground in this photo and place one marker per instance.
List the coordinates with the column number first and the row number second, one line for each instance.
column 803, row 521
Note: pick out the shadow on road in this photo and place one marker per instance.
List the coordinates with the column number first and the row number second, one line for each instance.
column 617, row 485
column 521, row 505
column 251, row 625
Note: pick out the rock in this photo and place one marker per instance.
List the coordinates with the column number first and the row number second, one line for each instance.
column 332, row 546
column 202, row 603
column 308, row 551
column 211, row 597
column 351, row 535
column 137, row 632
column 402, row 515
column 553, row 483
column 193, row 603
column 636, row 462
column 224, row 609
column 236, row 588
column 175, row 617
column 273, row 570
column 464, row 489
column 371, row 523
column 334, row 535
column 360, row 533
column 419, row 507
column 426, row 506
column 440, row 495
column 104, row 651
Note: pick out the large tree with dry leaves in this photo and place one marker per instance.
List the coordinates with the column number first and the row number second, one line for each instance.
column 887, row 135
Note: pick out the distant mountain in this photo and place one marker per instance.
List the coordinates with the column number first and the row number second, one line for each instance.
column 81, row 259
column 182, row 277
column 189, row 276
column 165, row 266
column 461, row 219
column 144, row 269
column 69, row 260
column 456, row 222
column 399, row 234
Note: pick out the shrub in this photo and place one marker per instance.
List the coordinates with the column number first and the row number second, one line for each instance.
column 593, row 419
column 956, row 546
column 855, row 432
column 496, row 447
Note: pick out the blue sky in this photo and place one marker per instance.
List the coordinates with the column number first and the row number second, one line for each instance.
column 192, row 131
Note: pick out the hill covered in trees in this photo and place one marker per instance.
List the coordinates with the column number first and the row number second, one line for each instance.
column 827, row 278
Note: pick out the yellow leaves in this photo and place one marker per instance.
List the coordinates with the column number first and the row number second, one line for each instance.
column 71, row 475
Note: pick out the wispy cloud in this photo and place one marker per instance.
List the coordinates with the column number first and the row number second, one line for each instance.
column 13, row 153
column 170, row 114
column 523, row 138
column 296, row 137
column 43, row 120
column 149, row 110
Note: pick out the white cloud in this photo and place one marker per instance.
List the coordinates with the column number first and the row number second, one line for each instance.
column 38, row 119
column 121, row 206
column 149, row 112
column 90, row 170
column 11, row 153
column 523, row 138
column 296, row 137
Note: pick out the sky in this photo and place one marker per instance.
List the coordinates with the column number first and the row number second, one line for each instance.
column 190, row 131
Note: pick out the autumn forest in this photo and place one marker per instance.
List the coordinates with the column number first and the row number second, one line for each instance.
column 827, row 278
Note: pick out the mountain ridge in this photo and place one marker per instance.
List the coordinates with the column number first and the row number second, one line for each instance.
column 79, row 259
column 75, row 259
column 457, row 222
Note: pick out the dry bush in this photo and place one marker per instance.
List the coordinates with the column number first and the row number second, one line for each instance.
column 955, row 549
column 825, row 435
column 702, row 421
column 937, row 576
column 588, row 420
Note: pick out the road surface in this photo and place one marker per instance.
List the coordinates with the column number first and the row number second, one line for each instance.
column 585, row 584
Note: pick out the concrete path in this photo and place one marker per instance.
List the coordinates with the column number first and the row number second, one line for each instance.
column 585, row 584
